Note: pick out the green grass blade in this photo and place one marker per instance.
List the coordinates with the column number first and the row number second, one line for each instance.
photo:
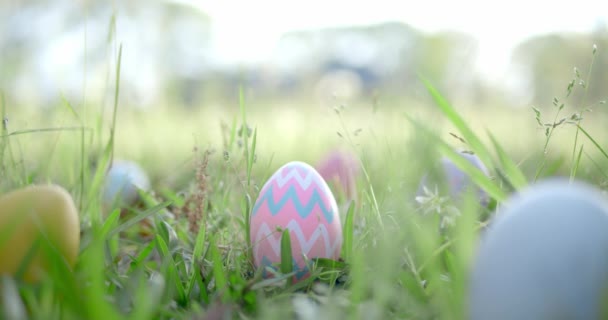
column 116, row 95
column 597, row 166
column 358, row 289
column 251, row 159
column 110, row 223
column 233, row 133
column 249, row 153
column 463, row 164
column 3, row 143
column 98, row 178
column 347, row 245
column 197, row 255
column 593, row 141
column 6, row 143
column 108, row 153
column 83, row 163
column 219, row 274
column 371, row 195
column 46, row 130
column 166, row 193
column 93, row 264
column 248, row 206
column 172, row 271
column 474, row 142
column 286, row 257
column 515, row 175
column 576, row 163
column 10, row 226
column 138, row 261
column 133, row 221
column 199, row 243
column 31, row 252
column 476, row 175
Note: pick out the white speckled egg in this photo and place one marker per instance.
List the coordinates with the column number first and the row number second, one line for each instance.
column 297, row 198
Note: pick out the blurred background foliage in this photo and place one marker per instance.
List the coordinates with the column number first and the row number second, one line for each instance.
column 168, row 58
column 317, row 89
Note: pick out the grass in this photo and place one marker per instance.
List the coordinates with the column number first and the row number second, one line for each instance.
column 398, row 267
column 185, row 252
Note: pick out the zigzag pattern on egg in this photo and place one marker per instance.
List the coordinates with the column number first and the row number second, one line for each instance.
column 292, row 180
column 294, row 174
column 265, row 233
column 291, row 195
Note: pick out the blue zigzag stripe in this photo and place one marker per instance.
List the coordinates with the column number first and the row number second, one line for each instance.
column 300, row 272
column 291, row 194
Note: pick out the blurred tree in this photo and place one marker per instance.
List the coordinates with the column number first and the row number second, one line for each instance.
column 387, row 55
column 550, row 60
column 185, row 47
column 599, row 76
column 69, row 49
column 447, row 59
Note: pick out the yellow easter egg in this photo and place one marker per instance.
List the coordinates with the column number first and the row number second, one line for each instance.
column 36, row 218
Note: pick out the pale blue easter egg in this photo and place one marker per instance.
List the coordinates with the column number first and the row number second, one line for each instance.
column 122, row 182
column 544, row 257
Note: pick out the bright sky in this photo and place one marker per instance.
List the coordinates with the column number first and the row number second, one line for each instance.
column 497, row 25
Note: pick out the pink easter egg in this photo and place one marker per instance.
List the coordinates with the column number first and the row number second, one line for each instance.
column 342, row 168
column 297, row 198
